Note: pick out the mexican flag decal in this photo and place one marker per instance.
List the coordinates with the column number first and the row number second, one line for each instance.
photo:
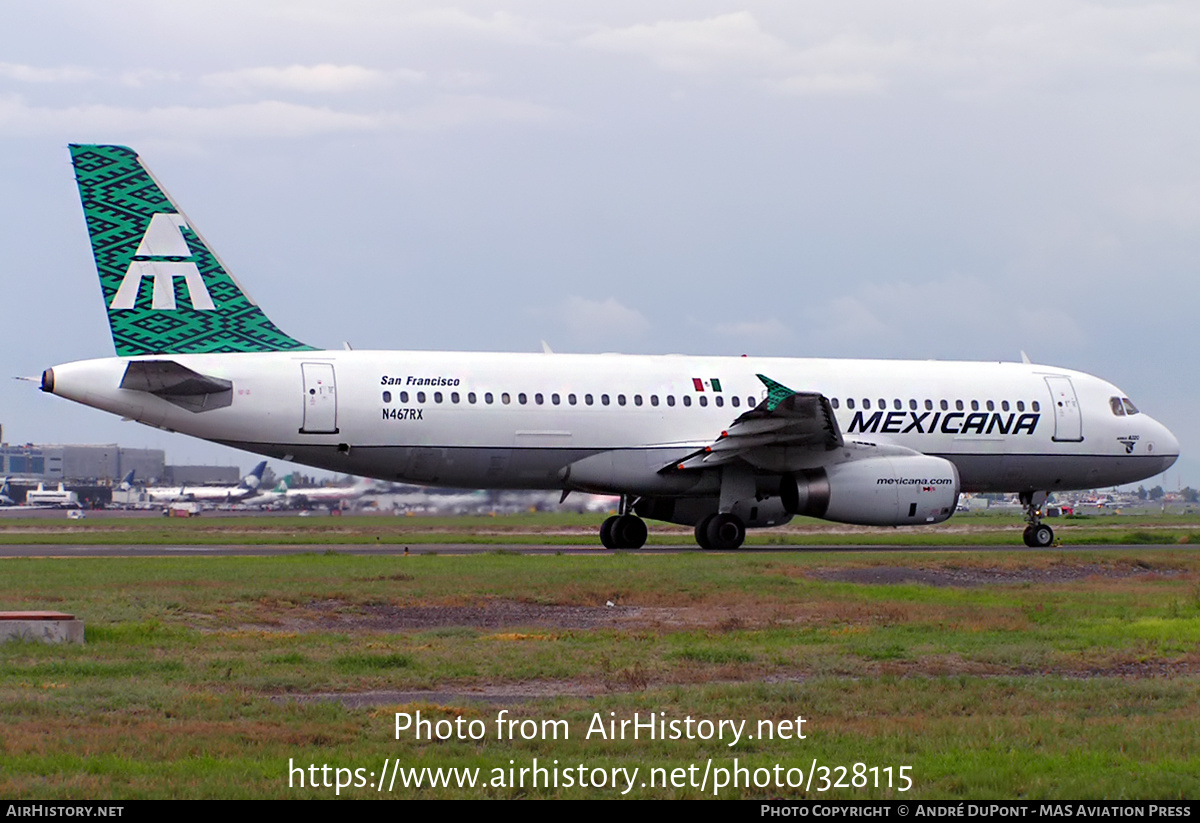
column 706, row 385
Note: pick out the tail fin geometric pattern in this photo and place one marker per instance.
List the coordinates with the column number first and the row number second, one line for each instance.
column 165, row 290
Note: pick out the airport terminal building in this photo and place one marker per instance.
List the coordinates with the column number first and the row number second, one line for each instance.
column 101, row 465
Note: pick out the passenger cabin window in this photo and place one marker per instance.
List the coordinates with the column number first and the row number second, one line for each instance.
column 928, row 405
column 896, row 404
column 537, row 398
column 471, row 397
column 387, row 397
column 736, row 401
column 637, row 400
column 945, row 405
column 403, row 397
column 521, row 398
column 850, row 402
column 604, row 399
column 1035, row 406
column 654, row 400
column 974, row 405
column 670, row 400
column 505, row 398
column 687, row 400
column 587, row 398
column 420, row 397
column 620, row 400
column 958, row 405
column 719, row 400
column 703, row 400
column 554, row 398
column 1020, row 405
column 487, row 397
column 453, row 397
column 571, row 399
column 750, row 402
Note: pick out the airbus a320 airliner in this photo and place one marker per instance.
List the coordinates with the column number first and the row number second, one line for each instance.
column 718, row 443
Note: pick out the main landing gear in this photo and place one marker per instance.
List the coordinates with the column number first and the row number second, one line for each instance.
column 625, row 530
column 1037, row 534
column 721, row 532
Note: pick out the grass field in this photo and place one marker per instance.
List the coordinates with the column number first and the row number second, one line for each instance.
column 986, row 675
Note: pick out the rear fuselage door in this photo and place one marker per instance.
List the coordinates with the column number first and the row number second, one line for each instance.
column 320, row 399
column 1068, row 423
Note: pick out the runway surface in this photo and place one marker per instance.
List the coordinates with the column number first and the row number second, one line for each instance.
column 394, row 549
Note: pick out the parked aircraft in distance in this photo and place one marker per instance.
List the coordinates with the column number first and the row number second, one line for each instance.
column 717, row 443
column 6, row 494
column 307, row 497
column 51, row 498
column 248, row 487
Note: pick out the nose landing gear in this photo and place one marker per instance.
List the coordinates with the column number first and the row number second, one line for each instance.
column 1037, row 534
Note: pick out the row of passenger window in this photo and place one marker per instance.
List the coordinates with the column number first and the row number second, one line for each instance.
column 571, row 399
column 944, row 405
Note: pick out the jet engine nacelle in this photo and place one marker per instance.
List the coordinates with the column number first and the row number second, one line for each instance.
column 895, row 490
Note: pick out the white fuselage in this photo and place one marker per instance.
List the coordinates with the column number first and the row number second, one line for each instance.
column 426, row 417
column 207, row 494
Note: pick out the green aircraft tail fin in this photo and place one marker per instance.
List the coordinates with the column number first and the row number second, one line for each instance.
column 165, row 290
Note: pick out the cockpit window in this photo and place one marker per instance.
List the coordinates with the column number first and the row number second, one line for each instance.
column 1129, row 407
column 1115, row 404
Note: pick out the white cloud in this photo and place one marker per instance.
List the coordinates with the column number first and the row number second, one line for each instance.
column 323, row 78
column 825, row 84
column 728, row 40
column 925, row 319
column 759, row 332
column 35, row 74
column 607, row 321
column 269, row 118
column 456, row 111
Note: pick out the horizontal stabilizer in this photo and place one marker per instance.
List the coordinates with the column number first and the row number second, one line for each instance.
column 178, row 384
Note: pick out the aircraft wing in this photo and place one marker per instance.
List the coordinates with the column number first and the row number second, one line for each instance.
column 785, row 420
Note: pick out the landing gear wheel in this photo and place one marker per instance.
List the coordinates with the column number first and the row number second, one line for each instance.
column 630, row 531
column 1039, row 537
column 606, row 533
column 623, row 531
column 702, row 533
column 726, row 532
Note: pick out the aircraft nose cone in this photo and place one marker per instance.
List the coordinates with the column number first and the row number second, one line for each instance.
column 1165, row 446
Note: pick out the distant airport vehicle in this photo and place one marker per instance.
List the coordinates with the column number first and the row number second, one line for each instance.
column 6, row 494
column 51, row 498
column 717, row 443
column 248, row 487
column 327, row 496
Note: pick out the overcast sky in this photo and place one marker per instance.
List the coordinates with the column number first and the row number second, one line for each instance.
column 929, row 179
